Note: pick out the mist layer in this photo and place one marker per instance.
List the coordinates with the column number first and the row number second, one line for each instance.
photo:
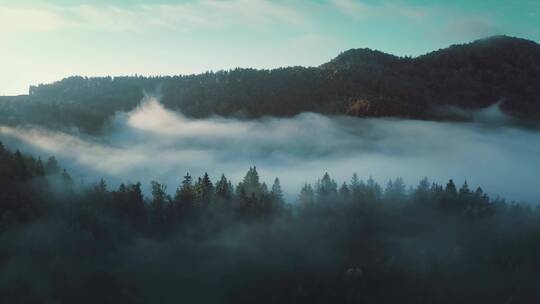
column 154, row 143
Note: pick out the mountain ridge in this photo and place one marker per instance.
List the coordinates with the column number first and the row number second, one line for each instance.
column 358, row 82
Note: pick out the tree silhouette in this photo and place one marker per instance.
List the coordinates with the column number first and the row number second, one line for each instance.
column 51, row 166
column 184, row 197
column 223, row 188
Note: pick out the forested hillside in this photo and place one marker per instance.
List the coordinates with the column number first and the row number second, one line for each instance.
column 209, row 241
column 359, row 82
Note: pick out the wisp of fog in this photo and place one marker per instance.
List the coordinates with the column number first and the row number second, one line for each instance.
column 154, row 143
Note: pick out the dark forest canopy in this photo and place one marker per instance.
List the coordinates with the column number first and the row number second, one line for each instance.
column 209, row 241
column 359, row 82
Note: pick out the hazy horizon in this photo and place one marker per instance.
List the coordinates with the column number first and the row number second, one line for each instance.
column 170, row 38
column 225, row 69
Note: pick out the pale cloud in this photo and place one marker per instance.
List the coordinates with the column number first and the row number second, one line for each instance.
column 448, row 23
column 362, row 10
column 470, row 27
column 258, row 11
column 189, row 15
column 152, row 117
column 139, row 18
column 94, row 154
column 29, row 20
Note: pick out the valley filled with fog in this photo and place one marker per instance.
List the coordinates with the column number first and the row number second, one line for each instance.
column 154, row 143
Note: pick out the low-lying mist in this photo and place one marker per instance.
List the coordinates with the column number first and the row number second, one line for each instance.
column 153, row 143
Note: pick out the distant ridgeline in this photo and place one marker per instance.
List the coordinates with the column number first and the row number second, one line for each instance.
column 359, row 82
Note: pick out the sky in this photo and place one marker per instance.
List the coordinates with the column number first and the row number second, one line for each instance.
column 44, row 41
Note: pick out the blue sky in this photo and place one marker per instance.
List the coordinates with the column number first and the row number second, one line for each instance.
column 43, row 41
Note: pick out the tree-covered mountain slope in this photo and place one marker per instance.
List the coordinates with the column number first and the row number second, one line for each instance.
column 358, row 82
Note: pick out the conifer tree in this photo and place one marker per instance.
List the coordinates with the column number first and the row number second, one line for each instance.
column 21, row 170
column 207, row 189
column 344, row 193
column 373, row 190
column 307, row 195
column 40, row 169
column 276, row 192
column 326, row 188
column 159, row 206
column 184, row 197
column 51, row 166
column 223, row 189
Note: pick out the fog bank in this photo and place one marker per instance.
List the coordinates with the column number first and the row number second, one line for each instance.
column 153, row 143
